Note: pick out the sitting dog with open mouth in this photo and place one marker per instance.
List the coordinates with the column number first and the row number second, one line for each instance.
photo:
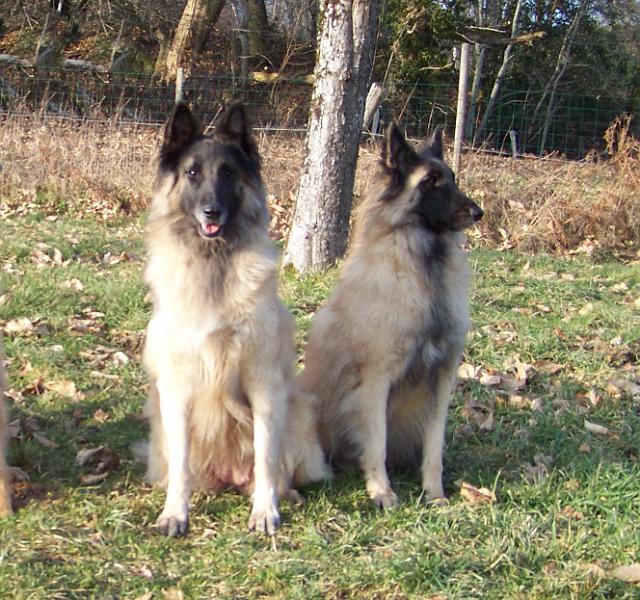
column 219, row 349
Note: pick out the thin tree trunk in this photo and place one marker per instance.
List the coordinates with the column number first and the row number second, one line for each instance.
column 561, row 66
column 476, row 87
column 240, row 17
column 479, row 53
column 346, row 49
column 257, row 31
column 502, row 71
column 198, row 17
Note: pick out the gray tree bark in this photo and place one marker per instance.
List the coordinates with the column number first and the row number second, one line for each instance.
column 296, row 19
column 346, row 47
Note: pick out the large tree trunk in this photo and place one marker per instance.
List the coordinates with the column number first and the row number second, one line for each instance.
column 198, row 17
column 346, row 48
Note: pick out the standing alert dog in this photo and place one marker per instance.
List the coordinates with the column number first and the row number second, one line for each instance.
column 219, row 349
column 383, row 353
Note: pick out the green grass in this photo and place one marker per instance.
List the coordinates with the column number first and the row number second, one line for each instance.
column 541, row 538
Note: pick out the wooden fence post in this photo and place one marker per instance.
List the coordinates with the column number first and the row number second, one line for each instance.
column 461, row 107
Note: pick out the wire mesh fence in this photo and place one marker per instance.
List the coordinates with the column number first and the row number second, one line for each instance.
column 520, row 121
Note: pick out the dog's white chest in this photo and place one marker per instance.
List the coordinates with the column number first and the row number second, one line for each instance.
column 172, row 334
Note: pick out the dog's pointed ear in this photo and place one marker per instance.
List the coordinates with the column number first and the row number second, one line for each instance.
column 435, row 144
column 234, row 124
column 181, row 129
column 397, row 153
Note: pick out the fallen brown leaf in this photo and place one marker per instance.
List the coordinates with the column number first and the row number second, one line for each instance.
column 146, row 572
column 589, row 399
column 512, row 384
column 618, row 387
column 65, row 388
column 15, row 395
column 596, row 429
column 515, row 364
column 45, row 441
column 537, row 404
column 593, row 569
column 481, row 414
column 475, row 495
column 490, row 380
column 467, row 371
column 518, row 402
column 109, row 376
column 101, row 416
column 570, row 513
column 93, row 478
column 81, row 326
column 100, row 459
column 572, row 485
column 18, row 326
column 586, row 309
column 73, row 284
column 34, row 389
column 40, row 258
column 121, row 358
column 627, row 573
column 547, row 367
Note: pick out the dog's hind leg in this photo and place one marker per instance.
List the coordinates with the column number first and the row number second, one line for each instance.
column 267, row 394
column 370, row 400
column 304, row 456
column 174, row 414
column 434, row 430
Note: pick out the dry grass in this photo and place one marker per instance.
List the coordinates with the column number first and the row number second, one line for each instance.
column 530, row 204
column 558, row 206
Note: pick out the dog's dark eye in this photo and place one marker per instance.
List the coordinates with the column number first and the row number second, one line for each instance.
column 432, row 178
column 225, row 170
column 193, row 173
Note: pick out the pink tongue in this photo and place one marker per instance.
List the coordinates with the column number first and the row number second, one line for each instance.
column 211, row 228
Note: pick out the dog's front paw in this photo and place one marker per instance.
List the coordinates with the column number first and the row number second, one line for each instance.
column 264, row 521
column 172, row 525
column 432, row 491
column 385, row 499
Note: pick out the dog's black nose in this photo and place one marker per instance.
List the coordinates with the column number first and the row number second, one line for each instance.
column 477, row 213
column 211, row 211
